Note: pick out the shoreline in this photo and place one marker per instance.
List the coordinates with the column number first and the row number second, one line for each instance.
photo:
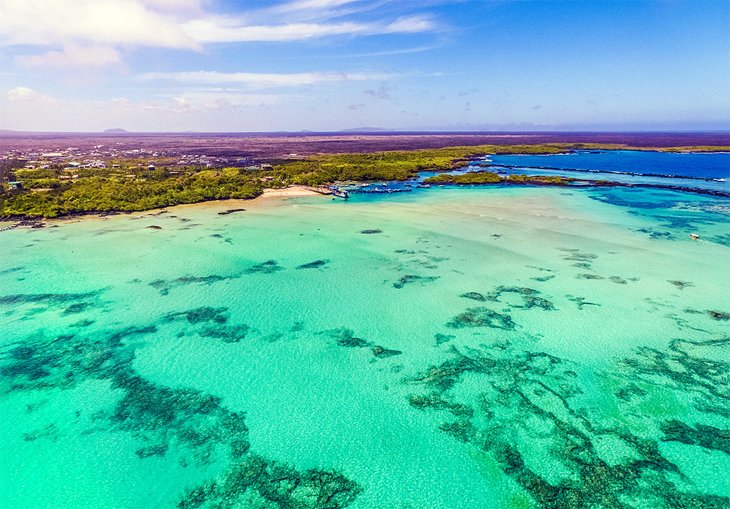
column 234, row 205
column 116, row 194
column 229, row 205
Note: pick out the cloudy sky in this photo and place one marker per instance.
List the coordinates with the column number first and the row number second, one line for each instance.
column 289, row 65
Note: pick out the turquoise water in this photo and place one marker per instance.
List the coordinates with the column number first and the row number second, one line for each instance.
column 445, row 348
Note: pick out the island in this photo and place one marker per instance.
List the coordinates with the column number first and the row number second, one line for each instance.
column 95, row 179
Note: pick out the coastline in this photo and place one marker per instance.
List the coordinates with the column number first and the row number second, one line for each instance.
column 269, row 196
column 319, row 173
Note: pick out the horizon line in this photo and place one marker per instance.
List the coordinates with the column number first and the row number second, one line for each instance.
column 372, row 131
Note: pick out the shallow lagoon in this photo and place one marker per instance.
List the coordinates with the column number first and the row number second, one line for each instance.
column 445, row 348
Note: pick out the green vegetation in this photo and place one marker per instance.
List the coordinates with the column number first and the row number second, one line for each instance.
column 128, row 185
column 476, row 177
column 692, row 148
column 398, row 165
column 49, row 197
column 488, row 177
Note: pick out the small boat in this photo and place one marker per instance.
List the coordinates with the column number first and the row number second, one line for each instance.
column 694, row 236
column 339, row 193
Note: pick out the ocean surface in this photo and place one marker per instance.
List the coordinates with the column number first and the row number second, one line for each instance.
column 447, row 348
column 707, row 171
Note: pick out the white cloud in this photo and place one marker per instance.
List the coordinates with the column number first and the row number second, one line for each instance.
column 175, row 6
column 25, row 95
column 87, row 33
column 261, row 80
column 206, row 101
column 72, row 56
column 223, row 29
column 227, row 100
column 411, row 24
column 84, row 22
column 218, row 29
column 306, row 5
column 166, row 23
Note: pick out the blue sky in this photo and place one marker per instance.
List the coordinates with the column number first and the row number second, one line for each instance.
column 289, row 65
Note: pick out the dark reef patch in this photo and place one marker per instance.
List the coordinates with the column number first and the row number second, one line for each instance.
column 420, row 259
column 226, row 333
column 154, row 414
column 346, row 337
column 718, row 315
column 701, row 435
column 680, row 284
column 462, row 430
column 443, row 338
column 258, row 482
column 533, row 400
column 165, row 285
column 201, row 315
column 530, row 297
column 589, row 276
column 214, row 322
column 618, row 280
column 434, row 401
column 474, row 296
column 49, row 432
column 64, row 361
column 181, row 425
column 230, row 211
column 412, row 278
column 10, row 270
column 383, row 353
column 200, row 427
column 542, row 279
column 267, row 267
column 581, row 302
column 482, row 317
column 317, row 264
column 83, row 323
column 371, row 232
column 194, row 420
column 76, row 308
column 576, row 255
column 657, row 234
column 723, row 239
column 48, row 299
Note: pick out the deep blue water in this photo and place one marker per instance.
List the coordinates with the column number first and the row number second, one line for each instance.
column 696, row 165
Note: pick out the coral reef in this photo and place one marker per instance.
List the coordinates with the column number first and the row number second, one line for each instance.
column 197, row 424
column 481, row 317
column 258, row 482
column 317, row 264
column 412, row 278
column 267, row 267
column 606, row 456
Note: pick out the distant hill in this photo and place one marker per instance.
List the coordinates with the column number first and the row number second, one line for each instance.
column 116, row 130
